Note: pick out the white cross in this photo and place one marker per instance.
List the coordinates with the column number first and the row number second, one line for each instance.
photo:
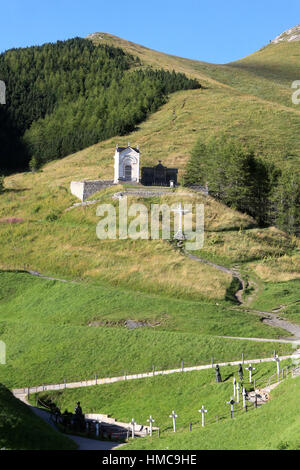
column 231, row 402
column 250, row 369
column 150, row 420
column 173, row 416
column 133, row 423
column 234, row 382
column 179, row 234
column 276, row 358
column 203, row 411
column 237, row 392
column 244, row 393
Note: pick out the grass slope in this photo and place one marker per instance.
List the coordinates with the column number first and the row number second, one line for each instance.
column 45, row 325
column 266, row 428
column 21, row 429
column 186, row 393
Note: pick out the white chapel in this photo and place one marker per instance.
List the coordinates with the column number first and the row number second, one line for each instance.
column 127, row 164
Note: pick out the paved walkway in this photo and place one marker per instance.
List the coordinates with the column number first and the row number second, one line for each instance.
column 21, row 392
column 82, row 442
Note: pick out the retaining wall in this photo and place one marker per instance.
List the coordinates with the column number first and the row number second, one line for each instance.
column 84, row 189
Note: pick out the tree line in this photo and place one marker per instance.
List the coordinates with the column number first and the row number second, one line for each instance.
column 66, row 96
column 246, row 182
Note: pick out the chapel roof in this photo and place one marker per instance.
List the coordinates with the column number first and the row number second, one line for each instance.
column 120, row 149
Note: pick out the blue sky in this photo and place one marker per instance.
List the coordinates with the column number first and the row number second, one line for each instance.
column 214, row 31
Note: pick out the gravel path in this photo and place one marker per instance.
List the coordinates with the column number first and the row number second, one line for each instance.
column 269, row 318
column 266, row 340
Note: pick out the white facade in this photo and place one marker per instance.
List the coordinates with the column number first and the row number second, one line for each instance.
column 127, row 164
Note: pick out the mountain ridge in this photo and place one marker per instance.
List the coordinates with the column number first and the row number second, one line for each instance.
column 291, row 34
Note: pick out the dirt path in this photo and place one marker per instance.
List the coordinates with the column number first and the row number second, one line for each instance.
column 235, row 274
column 266, row 340
column 269, row 318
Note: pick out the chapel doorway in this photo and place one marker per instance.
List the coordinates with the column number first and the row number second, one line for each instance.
column 128, row 172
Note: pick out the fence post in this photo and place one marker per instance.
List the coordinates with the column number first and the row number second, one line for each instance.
column 125, row 374
column 217, row 418
column 243, row 358
column 158, row 432
column 153, row 370
column 65, row 383
column 212, row 362
column 181, row 366
column 190, row 427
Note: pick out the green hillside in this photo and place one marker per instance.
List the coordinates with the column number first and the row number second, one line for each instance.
column 267, row 427
column 56, row 331
column 93, row 92
column 73, row 326
column 21, row 429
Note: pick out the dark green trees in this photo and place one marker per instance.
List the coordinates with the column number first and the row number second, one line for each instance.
column 66, row 96
column 285, row 201
column 247, row 183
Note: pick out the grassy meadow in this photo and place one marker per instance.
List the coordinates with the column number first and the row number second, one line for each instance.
column 55, row 331
column 21, row 429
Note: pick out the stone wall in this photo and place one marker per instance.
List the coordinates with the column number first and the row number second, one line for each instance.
column 199, row 188
column 84, row 189
column 143, row 193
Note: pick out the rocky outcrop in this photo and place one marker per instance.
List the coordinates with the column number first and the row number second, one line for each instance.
column 292, row 34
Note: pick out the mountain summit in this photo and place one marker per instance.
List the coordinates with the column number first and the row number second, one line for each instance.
column 292, row 34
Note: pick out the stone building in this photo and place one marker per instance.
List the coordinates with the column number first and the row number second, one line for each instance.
column 127, row 164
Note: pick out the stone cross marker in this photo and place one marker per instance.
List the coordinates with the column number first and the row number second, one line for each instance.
column 237, row 392
column 173, row 416
column 234, row 386
column 133, row 423
column 151, row 421
column 250, row 369
column 231, row 402
column 244, row 393
column 276, row 358
column 179, row 234
column 203, row 411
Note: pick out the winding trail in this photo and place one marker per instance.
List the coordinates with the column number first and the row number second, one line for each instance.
column 269, row 318
column 235, row 274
